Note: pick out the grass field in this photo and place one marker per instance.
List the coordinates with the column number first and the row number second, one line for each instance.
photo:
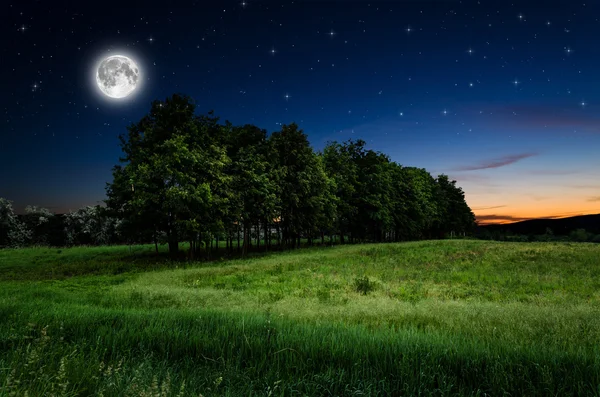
column 453, row 317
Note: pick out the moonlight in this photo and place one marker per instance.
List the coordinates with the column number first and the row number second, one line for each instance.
column 117, row 76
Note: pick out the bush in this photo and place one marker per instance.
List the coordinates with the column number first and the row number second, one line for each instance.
column 579, row 235
column 363, row 285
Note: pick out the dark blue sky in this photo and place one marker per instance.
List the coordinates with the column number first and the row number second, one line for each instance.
column 501, row 96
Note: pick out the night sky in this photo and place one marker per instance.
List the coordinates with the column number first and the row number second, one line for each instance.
column 501, row 96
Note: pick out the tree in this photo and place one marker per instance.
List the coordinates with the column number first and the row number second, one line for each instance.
column 298, row 179
column 343, row 172
column 374, row 202
column 171, row 163
column 420, row 205
column 91, row 225
column 13, row 232
column 454, row 215
column 249, row 169
column 39, row 221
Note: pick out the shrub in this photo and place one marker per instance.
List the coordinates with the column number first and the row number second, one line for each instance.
column 363, row 285
column 579, row 235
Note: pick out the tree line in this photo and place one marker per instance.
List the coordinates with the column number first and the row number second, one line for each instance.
column 187, row 178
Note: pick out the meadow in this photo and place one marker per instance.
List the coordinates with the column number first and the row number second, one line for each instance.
column 448, row 317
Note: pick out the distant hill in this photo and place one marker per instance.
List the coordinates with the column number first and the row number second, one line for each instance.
column 562, row 226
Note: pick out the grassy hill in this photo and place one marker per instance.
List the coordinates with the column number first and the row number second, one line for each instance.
column 454, row 317
column 562, row 226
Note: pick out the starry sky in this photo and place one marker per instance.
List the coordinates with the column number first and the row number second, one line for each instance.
column 501, row 96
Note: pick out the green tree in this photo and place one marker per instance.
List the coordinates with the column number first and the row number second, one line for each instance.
column 170, row 162
column 421, row 205
column 298, row 178
column 454, row 215
column 249, row 168
column 343, row 172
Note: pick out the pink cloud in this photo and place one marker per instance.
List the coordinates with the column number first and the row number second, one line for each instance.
column 497, row 163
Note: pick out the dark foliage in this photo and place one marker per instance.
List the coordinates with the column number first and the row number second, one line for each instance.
column 188, row 178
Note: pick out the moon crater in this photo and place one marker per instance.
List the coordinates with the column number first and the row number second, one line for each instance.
column 117, row 76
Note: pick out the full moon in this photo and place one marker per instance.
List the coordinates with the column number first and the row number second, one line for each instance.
column 117, row 76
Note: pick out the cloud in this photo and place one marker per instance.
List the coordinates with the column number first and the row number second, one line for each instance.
column 504, row 218
column 483, row 219
column 594, row 199
column 487, row 208
column 497, row 163
column 495, row 219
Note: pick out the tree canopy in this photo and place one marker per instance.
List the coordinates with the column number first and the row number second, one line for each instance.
column 185, row 177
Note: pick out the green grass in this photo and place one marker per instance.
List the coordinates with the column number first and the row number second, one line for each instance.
column 454, row 317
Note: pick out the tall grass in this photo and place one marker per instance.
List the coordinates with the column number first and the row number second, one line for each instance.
column 426, row 318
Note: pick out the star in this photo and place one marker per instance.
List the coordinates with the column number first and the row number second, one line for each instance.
column 521, row 17
column 23, row 28
column 470, row 51
column 470, row 84
column 568, row 50
column 287, row 96
column 583, row 104
column 273, row 51
column 516, row 82
column 243, row 4
column 151, row 39
column 332, row 33
column 408, row 29
column 445, row 112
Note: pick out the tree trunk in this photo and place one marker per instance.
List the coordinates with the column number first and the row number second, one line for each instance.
column 173, row 247
column 267, row 235
column 246, row 240
column 258, row 235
